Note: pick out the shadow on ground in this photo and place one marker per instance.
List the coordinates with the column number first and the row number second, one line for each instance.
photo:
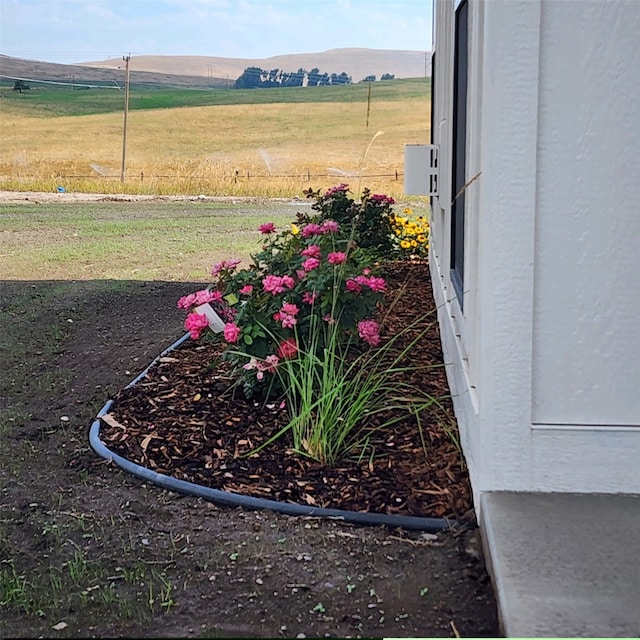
column 89, row 551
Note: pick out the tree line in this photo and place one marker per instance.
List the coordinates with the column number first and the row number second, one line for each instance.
column 257, row 78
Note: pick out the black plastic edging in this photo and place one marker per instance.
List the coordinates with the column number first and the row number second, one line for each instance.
column 227, row 498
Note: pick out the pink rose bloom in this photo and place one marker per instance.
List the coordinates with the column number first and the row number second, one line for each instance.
column 288, row 321
column 287, row 315
column 186, row 302
column 252, row 364
column 337, row 257
column 368, row 330
column 204, row 296
column 267, row 227
column 231, row 332
column 377, row 284
column 378, row 197
column 271, row 363
column 329, row 226
column 287, row 349
column 288, row 282
column 246, row 290
column 336, row 189
column 195, row 324
column 312, row 251
column 311, row 229
column 228, row 265
column 352, row 286
column 301, row 273
column 310, row 264
column 273, row 284
column 308, row 297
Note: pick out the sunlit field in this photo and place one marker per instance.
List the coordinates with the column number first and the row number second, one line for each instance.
column 270, row 148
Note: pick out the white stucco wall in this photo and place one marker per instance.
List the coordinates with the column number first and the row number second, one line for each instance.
column 587, row 274
column 544, row 361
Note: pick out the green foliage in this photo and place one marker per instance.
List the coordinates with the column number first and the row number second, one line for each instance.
column 369, row 219
column 314, row 273
column 299, row 321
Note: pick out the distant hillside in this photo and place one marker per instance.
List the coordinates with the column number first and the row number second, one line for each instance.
column 357, row 63
column 32, row 70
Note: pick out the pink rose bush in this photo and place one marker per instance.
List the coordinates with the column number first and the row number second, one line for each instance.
column 322, row 270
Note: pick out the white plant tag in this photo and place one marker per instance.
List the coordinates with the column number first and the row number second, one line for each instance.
column 216, row 323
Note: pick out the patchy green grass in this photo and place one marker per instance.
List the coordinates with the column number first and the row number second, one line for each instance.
column 48, row 100
column 121, row 241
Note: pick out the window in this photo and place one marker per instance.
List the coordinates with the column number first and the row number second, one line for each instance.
column 460, row 65
column 433, row 109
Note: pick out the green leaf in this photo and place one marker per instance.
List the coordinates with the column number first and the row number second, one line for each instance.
column 248, row 340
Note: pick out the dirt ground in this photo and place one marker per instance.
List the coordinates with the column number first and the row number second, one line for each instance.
column 87, row 550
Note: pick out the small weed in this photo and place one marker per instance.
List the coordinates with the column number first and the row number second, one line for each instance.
column 319, row 608
column 78, row 567
column 108, row 595
column 55, row 580
column 166, row 601
column 13, row 588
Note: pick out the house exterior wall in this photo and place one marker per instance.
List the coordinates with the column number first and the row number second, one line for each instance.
column 544, row 361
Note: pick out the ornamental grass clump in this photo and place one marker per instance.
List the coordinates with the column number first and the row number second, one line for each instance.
column 339, row 397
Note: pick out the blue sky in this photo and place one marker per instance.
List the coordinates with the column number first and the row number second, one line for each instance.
column 69, row 31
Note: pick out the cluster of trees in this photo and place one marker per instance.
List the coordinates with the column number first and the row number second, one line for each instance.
column 256, row 78
column 384, row 76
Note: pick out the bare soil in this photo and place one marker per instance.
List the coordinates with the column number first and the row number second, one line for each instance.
column 86, row 545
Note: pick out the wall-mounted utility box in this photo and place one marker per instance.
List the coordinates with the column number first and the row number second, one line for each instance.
column 421, row 170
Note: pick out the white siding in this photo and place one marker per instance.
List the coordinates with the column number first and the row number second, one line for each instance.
column 587, row 273
column 544, row 364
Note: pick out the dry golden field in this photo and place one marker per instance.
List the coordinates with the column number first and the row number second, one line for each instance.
column 269, row 150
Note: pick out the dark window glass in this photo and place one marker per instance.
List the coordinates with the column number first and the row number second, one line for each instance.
column 460, row 65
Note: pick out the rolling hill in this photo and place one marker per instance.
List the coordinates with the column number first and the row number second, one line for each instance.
column 357, row 63
column 209, row 71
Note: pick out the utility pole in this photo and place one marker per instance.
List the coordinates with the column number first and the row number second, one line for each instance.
column 126, row 113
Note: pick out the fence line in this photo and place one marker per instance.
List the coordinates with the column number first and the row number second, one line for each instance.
column 245, row 175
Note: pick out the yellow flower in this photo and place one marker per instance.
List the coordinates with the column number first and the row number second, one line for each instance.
column 405, row 244
column 413, row 243
column 421, row 238
column 407, row 211
column 294, row 229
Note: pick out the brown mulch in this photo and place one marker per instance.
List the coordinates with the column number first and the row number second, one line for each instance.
column 183, row 420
